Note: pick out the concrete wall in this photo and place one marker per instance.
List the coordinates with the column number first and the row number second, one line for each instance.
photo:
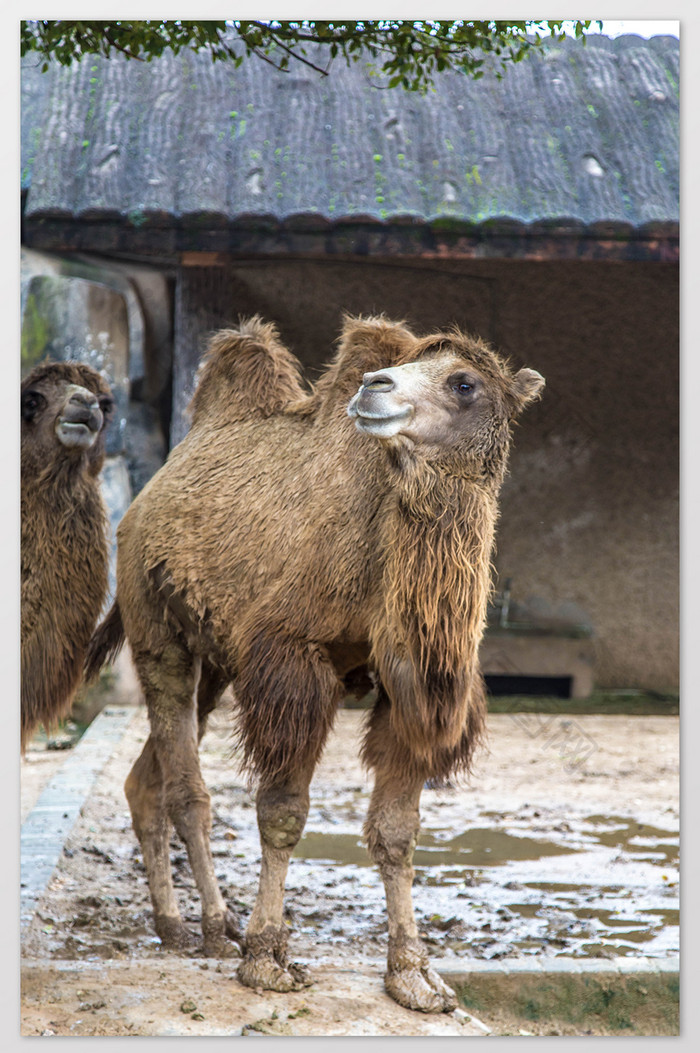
column 590, row 509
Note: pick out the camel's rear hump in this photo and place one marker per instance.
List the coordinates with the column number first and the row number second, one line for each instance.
column 245, row 372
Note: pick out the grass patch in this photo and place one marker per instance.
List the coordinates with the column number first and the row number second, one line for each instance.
column 574, row 1004
column 610, row 703
column 641, row 703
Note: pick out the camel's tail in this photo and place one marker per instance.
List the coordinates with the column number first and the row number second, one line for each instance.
column 105, row 644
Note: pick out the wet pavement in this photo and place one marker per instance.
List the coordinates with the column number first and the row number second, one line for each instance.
column 519, row 869
column 611, row 888
column 488, row 884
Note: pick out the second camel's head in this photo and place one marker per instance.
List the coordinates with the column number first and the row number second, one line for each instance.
column 66, row 407
column 456, row 396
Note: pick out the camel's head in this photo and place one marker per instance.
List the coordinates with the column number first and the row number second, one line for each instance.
column 455, row 393
column 66, row 407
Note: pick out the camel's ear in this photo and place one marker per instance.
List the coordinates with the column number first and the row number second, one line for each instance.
column 527, row 385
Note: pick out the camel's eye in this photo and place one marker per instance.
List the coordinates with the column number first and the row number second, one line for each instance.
column 461, row 384
column 32, row 403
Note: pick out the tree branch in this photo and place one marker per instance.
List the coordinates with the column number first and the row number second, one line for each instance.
column 300, row 58
column 119, row 47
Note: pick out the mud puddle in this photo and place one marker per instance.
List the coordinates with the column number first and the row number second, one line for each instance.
column 612, row 888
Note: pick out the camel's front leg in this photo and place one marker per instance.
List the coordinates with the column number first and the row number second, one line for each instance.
column 391, row 830
column 287, row 693
column 282, row 810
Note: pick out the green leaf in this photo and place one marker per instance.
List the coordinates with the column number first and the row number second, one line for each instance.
column 410, row 53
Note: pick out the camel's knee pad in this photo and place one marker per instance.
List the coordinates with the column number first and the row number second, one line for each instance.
column 281, row 820
column 390, row 843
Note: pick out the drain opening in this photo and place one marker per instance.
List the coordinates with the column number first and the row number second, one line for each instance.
column 552, row 686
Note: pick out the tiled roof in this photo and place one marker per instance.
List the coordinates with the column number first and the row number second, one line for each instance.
column 581, row 138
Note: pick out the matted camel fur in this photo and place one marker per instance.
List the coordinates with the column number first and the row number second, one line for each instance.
column 291, row 540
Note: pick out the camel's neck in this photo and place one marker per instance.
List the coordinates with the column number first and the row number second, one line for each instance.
column 438, row 571
column 55, row 480
column 62, row 505
column 63, row 551
column 425, row 642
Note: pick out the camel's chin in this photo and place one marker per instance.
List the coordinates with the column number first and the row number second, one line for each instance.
column 370, row 420
column 381, row 427
column 75, row 435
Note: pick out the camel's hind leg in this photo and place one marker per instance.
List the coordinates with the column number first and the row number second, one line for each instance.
column 149, row 816
column 391, row 829
column 165, row 787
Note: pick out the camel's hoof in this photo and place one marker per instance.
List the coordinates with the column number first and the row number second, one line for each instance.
column 300, row 973
column 266, row 965
column 173, row 934
column 411, row 982
column 266, row 973
column 216, row 932
column 420, row 989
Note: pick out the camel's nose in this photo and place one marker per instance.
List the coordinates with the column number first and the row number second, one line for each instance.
column 83, row 408
column 84, row 398
column 377, row 382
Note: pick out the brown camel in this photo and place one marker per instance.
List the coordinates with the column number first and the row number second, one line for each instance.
column 65, row 409
column 290, row 539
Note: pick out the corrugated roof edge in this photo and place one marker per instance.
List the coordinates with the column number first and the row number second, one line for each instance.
column 168, row 240
column 317, row 222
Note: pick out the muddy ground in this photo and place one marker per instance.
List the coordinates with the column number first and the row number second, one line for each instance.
column 564, row 842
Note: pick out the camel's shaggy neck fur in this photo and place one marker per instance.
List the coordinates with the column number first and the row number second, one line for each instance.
column 436, row 583
column 64, row 572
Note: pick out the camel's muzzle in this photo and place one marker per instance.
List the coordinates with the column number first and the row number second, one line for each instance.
column 81, row 420
column 375, row 408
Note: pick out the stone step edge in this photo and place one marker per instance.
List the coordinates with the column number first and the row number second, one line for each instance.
column 450, row 971
column 548, row 966
column 45, row 830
